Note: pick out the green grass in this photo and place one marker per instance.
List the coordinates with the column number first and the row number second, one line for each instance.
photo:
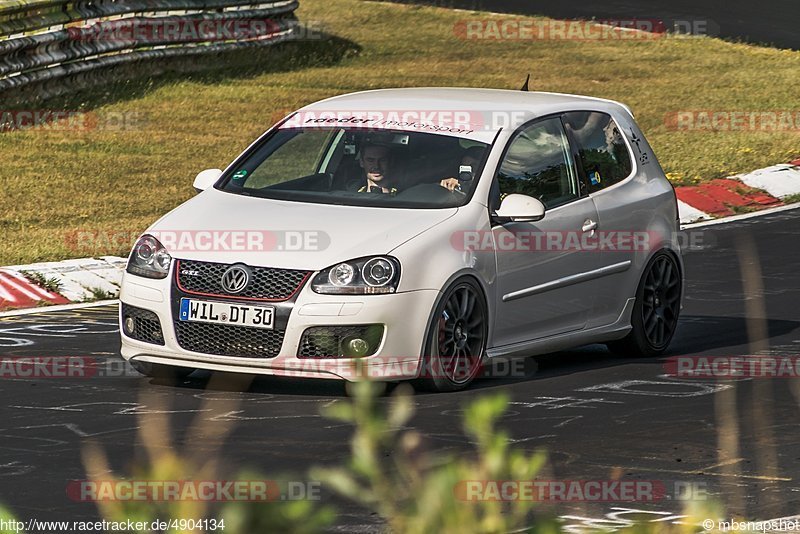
column 51, row 284
column 99, row 294
column 57, row 183
column 791, row 199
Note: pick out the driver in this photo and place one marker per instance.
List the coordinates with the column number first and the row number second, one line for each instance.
column 375, row 160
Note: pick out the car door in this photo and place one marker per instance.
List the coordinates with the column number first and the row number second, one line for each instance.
column 545, row 278
column 605, row 160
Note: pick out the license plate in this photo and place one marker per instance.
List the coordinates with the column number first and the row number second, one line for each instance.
column 222, row 313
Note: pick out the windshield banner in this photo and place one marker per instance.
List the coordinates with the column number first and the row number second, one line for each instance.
column 458, row 123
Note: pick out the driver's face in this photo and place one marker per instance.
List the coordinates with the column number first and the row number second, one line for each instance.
column 375, row 162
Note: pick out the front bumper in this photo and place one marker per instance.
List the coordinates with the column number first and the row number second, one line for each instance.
column 405, row 316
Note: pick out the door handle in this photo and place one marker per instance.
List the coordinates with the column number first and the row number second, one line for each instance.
column 589, row 225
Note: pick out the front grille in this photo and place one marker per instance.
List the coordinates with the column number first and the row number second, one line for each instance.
column 146, row 326
column 229, row 340
column 266, row 283
column 331, row 341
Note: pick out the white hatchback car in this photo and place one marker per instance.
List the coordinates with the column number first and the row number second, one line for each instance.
column 413, row 234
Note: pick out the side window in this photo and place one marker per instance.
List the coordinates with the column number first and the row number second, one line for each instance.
column 538, row 164
column 601, row 148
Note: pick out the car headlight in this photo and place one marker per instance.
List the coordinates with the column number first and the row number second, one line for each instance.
column 364, row 276
column 149, row 258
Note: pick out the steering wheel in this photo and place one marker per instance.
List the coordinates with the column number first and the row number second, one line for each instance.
column 457, row 191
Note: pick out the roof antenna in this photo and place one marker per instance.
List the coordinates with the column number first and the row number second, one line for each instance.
column 525, row 87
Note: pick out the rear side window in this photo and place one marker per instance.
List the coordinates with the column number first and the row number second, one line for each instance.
column 538, row 163
column 601, row 148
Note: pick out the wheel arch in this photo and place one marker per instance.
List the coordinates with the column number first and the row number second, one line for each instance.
column 452, row 280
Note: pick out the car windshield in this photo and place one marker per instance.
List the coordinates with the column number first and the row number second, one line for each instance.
column 355, row 167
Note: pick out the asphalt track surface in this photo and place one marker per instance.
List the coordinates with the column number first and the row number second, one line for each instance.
column 599, row 416
column 768, row 22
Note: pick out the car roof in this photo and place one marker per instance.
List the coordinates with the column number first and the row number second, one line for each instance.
column 456, row 98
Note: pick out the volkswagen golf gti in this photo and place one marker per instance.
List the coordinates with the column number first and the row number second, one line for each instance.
column 413, row 234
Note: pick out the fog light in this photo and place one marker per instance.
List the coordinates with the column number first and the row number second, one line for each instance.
column 358, row 346
column 130, row 325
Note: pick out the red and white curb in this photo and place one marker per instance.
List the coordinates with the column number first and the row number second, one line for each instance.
column 79, row 280
column 18, row 292
column 723, row 197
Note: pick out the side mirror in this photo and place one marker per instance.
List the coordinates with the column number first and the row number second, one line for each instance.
column 206, row 179
column 520, row 208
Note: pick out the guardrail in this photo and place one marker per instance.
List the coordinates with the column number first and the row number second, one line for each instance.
column 49, row 47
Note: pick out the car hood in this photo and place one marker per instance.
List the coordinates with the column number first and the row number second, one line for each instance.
column 226, row 228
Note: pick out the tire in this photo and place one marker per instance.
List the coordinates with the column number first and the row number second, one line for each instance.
column 656, row 310
column 456, row 342
column 161, row 371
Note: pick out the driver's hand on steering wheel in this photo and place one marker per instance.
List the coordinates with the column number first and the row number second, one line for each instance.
column 451, row 184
